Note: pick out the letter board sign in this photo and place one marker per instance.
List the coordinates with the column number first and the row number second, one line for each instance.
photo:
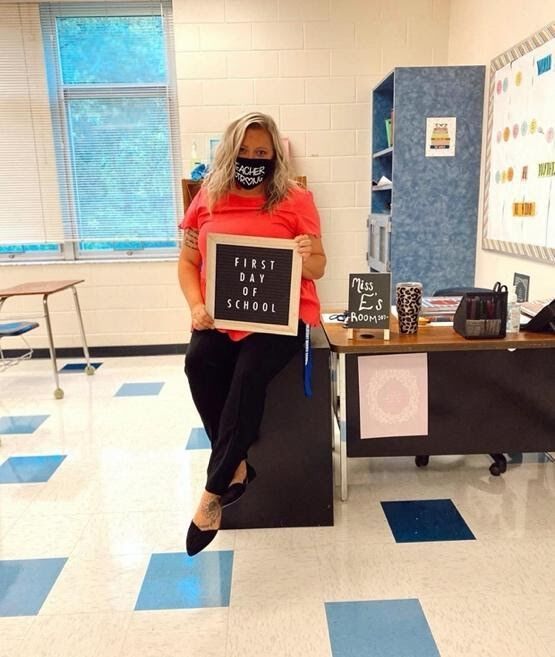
column 369, row 301
column 253, row 283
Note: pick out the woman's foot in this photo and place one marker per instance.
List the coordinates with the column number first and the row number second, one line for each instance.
column 209, row 512
column 205, row 524
column 244, row 474
column 240, row 474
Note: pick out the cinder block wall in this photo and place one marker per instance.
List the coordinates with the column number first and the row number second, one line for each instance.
column 309, row 63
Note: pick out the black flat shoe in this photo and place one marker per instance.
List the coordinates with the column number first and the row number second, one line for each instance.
column 197, row 539
column 235, row 491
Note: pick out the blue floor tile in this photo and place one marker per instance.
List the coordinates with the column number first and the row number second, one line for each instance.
column 78, row 367
column 426, row 520
column 26, row 583
column 177, row 581
column 139, row 389
column 379, row 628
column 29, row 469
column 198, row 439
column 21, row 423
column 528, row 457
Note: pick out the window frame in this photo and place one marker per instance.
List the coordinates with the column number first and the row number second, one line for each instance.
column 61, row 94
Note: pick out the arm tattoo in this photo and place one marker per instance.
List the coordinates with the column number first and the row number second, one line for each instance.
column 191, row 238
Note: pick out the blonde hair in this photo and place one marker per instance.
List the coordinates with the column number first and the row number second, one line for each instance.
column 221, row 178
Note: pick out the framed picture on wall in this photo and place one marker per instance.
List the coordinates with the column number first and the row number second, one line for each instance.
column 519, row 191
column 213, row 143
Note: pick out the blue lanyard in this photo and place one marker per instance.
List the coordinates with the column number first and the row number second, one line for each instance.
column 307, row 363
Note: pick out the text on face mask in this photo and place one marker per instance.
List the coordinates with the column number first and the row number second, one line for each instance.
column 246, row 170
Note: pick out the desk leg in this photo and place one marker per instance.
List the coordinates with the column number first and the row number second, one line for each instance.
column 343, row 428
column 58, row 392
column 89, row 369
column 333, row 397
column 2, row 300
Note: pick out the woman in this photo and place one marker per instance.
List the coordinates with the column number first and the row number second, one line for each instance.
column 248, row 192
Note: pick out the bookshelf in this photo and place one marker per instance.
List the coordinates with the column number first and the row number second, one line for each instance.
column 422, row 225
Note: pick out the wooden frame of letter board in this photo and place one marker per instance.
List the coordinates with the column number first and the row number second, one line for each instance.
column 291, row 328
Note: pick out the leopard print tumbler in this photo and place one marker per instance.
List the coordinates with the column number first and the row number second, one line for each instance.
column 409, row 302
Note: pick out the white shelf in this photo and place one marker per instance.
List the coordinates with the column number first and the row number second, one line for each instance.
column 386, row 151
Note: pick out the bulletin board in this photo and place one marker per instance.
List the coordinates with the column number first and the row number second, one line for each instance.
column 519, row 192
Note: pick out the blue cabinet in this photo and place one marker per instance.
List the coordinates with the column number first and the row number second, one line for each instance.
column 424, row 210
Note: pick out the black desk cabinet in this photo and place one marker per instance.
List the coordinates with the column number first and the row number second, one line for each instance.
column 491, row 396
column 293, row 456
column 479, row 402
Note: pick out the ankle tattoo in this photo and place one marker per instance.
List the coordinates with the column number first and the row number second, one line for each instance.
column 212, row 510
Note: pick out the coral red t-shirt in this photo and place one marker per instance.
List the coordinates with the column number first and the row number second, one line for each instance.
column 243, row 215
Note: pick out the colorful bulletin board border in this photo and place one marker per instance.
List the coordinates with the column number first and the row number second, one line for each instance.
column 519, row 190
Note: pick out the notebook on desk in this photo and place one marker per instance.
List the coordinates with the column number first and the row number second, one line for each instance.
column 532, row 308
column 439, row 306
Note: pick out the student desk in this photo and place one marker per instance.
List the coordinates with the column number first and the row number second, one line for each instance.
column 45, row 289
column 484, row 396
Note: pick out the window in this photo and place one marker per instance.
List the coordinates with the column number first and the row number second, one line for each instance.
column 114, row 130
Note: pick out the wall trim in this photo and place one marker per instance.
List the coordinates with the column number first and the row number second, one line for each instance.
column 106, row 352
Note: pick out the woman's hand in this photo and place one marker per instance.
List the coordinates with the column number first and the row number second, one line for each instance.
column 200, row 318
column 304, row 246
column 312, row 252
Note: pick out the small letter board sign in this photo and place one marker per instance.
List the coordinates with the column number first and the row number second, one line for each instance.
column 369, row 301
column 253, row 283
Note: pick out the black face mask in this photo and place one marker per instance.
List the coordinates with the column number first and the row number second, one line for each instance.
column 250, row 172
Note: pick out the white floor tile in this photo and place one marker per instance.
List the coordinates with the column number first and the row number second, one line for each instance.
column 128, row 488
column 279, row 628
column 280, row 575
column 13, row 632
column 140, row 533
column 6, row 523
column 100, row 585
column 68, row 635
column 201, row 632
column 480, row 626
column 34, row 536
column 15, row 499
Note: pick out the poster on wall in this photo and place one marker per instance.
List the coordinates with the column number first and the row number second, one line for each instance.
column 441, row 136
column 393, row 395
column 519, row 192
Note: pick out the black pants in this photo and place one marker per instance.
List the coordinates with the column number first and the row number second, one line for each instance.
column 228, row 382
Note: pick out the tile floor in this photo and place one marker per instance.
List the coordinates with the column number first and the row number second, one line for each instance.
column 97, row 490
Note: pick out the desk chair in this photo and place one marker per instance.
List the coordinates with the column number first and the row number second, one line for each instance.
column 458, row 291
column 12, row 329
column 190, row 189
column 499, row 465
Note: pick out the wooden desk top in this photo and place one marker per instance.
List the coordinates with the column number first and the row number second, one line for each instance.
column 428, row 338
column 38, row 287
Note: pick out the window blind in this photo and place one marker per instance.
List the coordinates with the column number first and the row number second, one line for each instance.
column 29, row 194
column 101, row 130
